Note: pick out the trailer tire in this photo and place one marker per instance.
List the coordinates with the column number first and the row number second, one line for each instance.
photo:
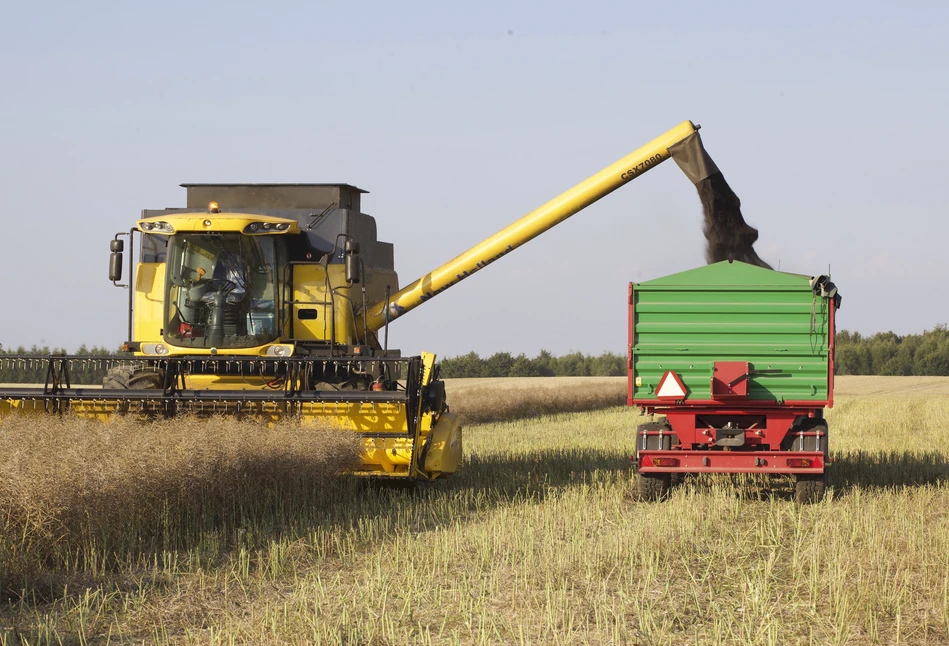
column 656, row 486
column 794, row 442
column 809, row 488
column 652, row 442
column 134, row 378
column 653, row 486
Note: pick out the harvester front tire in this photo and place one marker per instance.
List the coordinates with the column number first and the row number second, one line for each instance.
column 653, row 486
column 810, row 488
column 134, row 378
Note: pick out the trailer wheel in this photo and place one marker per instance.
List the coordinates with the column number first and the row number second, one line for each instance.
column 653, row 486
column 794, row 442
column 810, row 488
column 656, row 486
column 134, row 378
column 651, row 442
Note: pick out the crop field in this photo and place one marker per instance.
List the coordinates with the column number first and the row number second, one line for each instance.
column 224, row 532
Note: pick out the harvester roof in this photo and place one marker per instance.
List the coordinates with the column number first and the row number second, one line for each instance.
column 274, row 196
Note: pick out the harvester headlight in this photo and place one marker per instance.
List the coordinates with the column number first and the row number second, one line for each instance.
column 157, row 227
column 207, row 223
column 279, row 351
column 259, row 227
column 154, row 348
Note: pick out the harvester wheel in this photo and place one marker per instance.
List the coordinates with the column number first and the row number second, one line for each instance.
column 653, row 486
column 134, row 378
column 809, row 488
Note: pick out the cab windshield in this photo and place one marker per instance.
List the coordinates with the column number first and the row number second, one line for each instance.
column 220, row 291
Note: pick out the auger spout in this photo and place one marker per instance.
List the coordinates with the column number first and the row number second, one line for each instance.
column 530, row 226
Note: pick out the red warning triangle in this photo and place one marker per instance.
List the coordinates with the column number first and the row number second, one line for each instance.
column 671, row 387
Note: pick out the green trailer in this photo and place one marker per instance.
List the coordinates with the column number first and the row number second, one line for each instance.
column 739, row 362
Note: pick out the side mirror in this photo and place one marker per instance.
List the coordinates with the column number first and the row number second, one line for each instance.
column 115, row 260
column 352, row 261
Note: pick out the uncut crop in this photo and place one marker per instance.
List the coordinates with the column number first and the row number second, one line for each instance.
column 539, row 541
column 80, row 496
column 506, row 400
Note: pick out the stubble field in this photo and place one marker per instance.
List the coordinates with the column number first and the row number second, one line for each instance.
column 243, row 539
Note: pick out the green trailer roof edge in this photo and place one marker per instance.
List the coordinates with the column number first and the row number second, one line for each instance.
column 732, row 274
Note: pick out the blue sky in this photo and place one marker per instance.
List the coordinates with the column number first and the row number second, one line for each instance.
column 828, row 119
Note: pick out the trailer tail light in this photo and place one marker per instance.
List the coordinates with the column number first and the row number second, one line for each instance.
column 665, row 462
column 799, row 463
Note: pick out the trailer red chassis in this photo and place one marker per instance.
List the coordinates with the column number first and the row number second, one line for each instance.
column 695, row 433
column 776, row 441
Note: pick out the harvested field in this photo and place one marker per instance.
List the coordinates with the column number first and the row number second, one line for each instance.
column 873, row 385
column 538, row 541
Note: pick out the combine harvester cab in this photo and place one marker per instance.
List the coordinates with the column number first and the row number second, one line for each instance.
column 739, row 362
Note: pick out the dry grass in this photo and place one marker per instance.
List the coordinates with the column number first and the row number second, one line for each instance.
column 76, row 495
column 539, row 542
column 482, row 401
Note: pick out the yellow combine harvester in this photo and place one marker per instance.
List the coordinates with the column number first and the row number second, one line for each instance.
column 269, row 300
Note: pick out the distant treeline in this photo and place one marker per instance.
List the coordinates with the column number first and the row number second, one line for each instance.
column 503, row 364
column 885, row 353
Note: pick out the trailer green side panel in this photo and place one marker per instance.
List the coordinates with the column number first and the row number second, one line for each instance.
column 732, row 311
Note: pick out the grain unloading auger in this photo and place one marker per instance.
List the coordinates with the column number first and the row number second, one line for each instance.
column 267, row 301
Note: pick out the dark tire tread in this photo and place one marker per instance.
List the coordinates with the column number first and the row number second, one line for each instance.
column 653, row 486
column 809, row 489
column 134, row 378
